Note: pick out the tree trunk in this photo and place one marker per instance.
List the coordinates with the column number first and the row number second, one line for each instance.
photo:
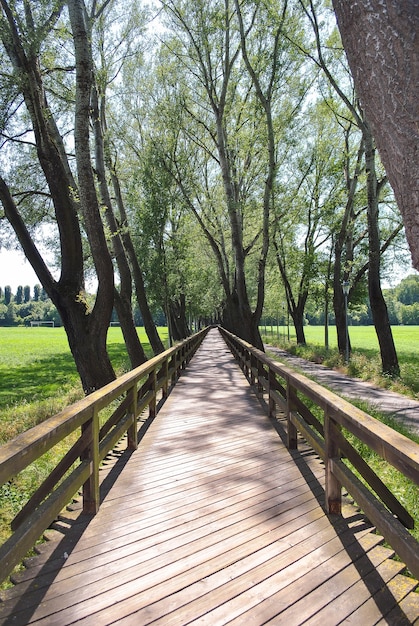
column 89, row 203
column 241, row 322
column 340, row 313
column 87, row 341
column 297, row 315
column 381, row 43
column 178, row 322
column 389, row 361
column 123, row 299
column 344, row 249
column 149, row 325
column 238, row 314
column 124, row 311
column 295, row 307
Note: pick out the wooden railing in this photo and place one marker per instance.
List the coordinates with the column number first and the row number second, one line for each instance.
column 292, row 393
column 94, row 437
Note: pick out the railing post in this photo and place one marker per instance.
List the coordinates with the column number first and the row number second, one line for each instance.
column 252, row 370
column 261, row 374
column 153, row 402
column 132, row 437
column 246, row 362
column 178, row 363
column 165, row 374
column 91, row 494
column 271, row 387
column 292, row 441
column 333, row 488
column 174, row 365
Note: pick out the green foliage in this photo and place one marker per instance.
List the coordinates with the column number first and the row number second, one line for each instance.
column 407, row 292
column 21, row 309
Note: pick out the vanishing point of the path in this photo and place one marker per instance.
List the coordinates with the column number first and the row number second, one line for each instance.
column 212, row 521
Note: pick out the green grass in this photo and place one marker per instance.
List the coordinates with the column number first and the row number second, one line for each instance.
column 365, row 360
column 38, row 376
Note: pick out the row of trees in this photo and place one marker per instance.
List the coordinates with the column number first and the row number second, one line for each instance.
column 25, row 307
column 403, row 305
column 23, row 295
column 197, row 162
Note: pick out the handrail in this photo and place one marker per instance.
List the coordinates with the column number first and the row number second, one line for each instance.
column 289, row 390
column 79, row 468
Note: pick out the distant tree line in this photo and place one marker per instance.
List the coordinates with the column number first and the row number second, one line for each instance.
column 402, row 304
column 26, row 306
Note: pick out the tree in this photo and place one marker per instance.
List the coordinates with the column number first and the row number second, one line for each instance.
column 123, row 291
column 23, row 36
column 234, row 75
column 117, row 47
column 407, row 292
column 19, row 295
column 377, row 302
column 264, row 79
column 208, row 48
column 7, row 295
column 380, row 40
column 180, row 272
column 311, row 186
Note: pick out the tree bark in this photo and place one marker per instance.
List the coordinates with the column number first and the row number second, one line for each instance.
column 240, row 321
column 344, row 249
column 295, row 306
column 381, row 43
column 178, row 323
column 238, row 314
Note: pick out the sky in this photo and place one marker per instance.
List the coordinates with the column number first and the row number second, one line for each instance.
column 15, row 270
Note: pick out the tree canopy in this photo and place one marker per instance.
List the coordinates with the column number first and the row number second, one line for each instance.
column 195, row 156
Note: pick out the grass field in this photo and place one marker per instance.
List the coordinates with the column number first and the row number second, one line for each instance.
column 406, row 338
column 36, row 363
column 365, row 360
column 38, row 376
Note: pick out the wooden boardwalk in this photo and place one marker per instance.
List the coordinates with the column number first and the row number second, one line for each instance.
column 212, row 521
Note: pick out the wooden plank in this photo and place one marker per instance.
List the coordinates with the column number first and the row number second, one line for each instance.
column 341, row 594
column 385, row 601
column 397, row 449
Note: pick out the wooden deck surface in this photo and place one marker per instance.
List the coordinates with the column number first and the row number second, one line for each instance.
column 212, row 521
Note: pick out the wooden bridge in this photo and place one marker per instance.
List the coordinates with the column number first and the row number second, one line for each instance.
column 212, row 519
